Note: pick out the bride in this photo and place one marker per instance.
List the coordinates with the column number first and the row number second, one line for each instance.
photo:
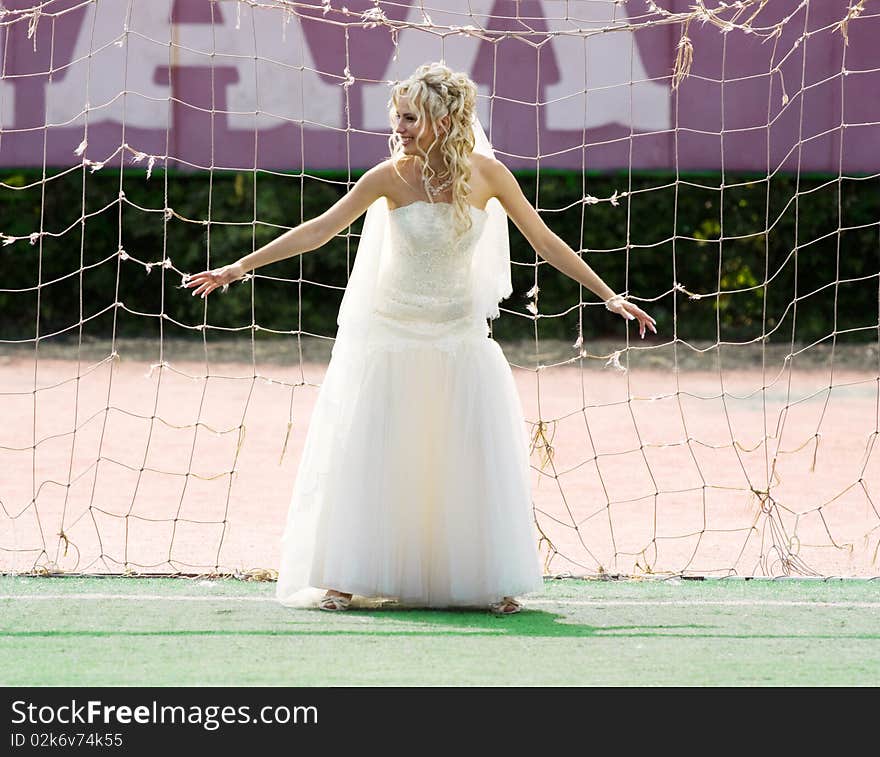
column 414, row 481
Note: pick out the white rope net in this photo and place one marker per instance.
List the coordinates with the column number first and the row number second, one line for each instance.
column 728, row 456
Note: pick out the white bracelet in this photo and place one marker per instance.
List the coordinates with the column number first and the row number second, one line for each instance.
column 617, row 298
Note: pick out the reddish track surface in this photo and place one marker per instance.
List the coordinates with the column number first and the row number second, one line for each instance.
column 610, row 456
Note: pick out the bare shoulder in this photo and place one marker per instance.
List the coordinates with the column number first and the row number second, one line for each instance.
column 480, row 160
column 488, row 166
column 487, row 175
column 483, row 164
column 380, row 176
column 494, row 178
column 397, row 176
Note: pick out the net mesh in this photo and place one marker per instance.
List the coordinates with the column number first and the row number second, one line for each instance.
column 745, row 455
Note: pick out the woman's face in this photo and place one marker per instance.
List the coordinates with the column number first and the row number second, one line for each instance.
column 407, row 127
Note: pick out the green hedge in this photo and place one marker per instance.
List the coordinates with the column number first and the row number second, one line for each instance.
column 629, row 244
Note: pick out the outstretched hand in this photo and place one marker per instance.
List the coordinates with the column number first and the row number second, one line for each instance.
column 632, row 312
column 207, row 281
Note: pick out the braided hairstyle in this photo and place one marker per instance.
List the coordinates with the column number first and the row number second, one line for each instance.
column 434, row 90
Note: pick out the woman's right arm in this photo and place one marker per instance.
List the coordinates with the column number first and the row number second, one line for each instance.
column 309, row 235
column 317, row 231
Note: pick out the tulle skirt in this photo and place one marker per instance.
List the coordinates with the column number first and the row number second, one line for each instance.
column 414, row 482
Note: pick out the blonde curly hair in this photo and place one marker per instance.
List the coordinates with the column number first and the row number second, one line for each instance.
column 434, row 90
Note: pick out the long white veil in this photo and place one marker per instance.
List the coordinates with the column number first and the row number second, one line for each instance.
column 323, row 459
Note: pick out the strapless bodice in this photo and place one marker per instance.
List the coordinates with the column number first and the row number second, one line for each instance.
column 423, row 290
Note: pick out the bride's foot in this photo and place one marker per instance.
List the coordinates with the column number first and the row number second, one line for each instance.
column 507, row 606
column 335, row 600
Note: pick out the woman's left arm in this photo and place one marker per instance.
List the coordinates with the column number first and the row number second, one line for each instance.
column 550, row 247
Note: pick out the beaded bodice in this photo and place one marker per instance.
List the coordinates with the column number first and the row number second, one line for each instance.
column 424, row 287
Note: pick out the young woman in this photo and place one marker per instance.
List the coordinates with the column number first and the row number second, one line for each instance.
column 414, row 483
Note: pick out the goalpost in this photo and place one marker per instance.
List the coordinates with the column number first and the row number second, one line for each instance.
column 716, row 161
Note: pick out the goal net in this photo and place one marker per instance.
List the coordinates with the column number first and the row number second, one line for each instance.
column 715, row 161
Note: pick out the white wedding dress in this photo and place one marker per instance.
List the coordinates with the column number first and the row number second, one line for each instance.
column 423, row 495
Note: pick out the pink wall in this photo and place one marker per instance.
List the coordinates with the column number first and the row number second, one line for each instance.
column 273, row 110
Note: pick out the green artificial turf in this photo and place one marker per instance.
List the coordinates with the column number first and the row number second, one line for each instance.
column 120, row 631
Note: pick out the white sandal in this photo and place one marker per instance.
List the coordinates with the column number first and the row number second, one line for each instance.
column 334, row 602
column 507, row 606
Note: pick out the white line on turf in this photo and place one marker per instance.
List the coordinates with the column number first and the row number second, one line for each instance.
column 526, row 602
